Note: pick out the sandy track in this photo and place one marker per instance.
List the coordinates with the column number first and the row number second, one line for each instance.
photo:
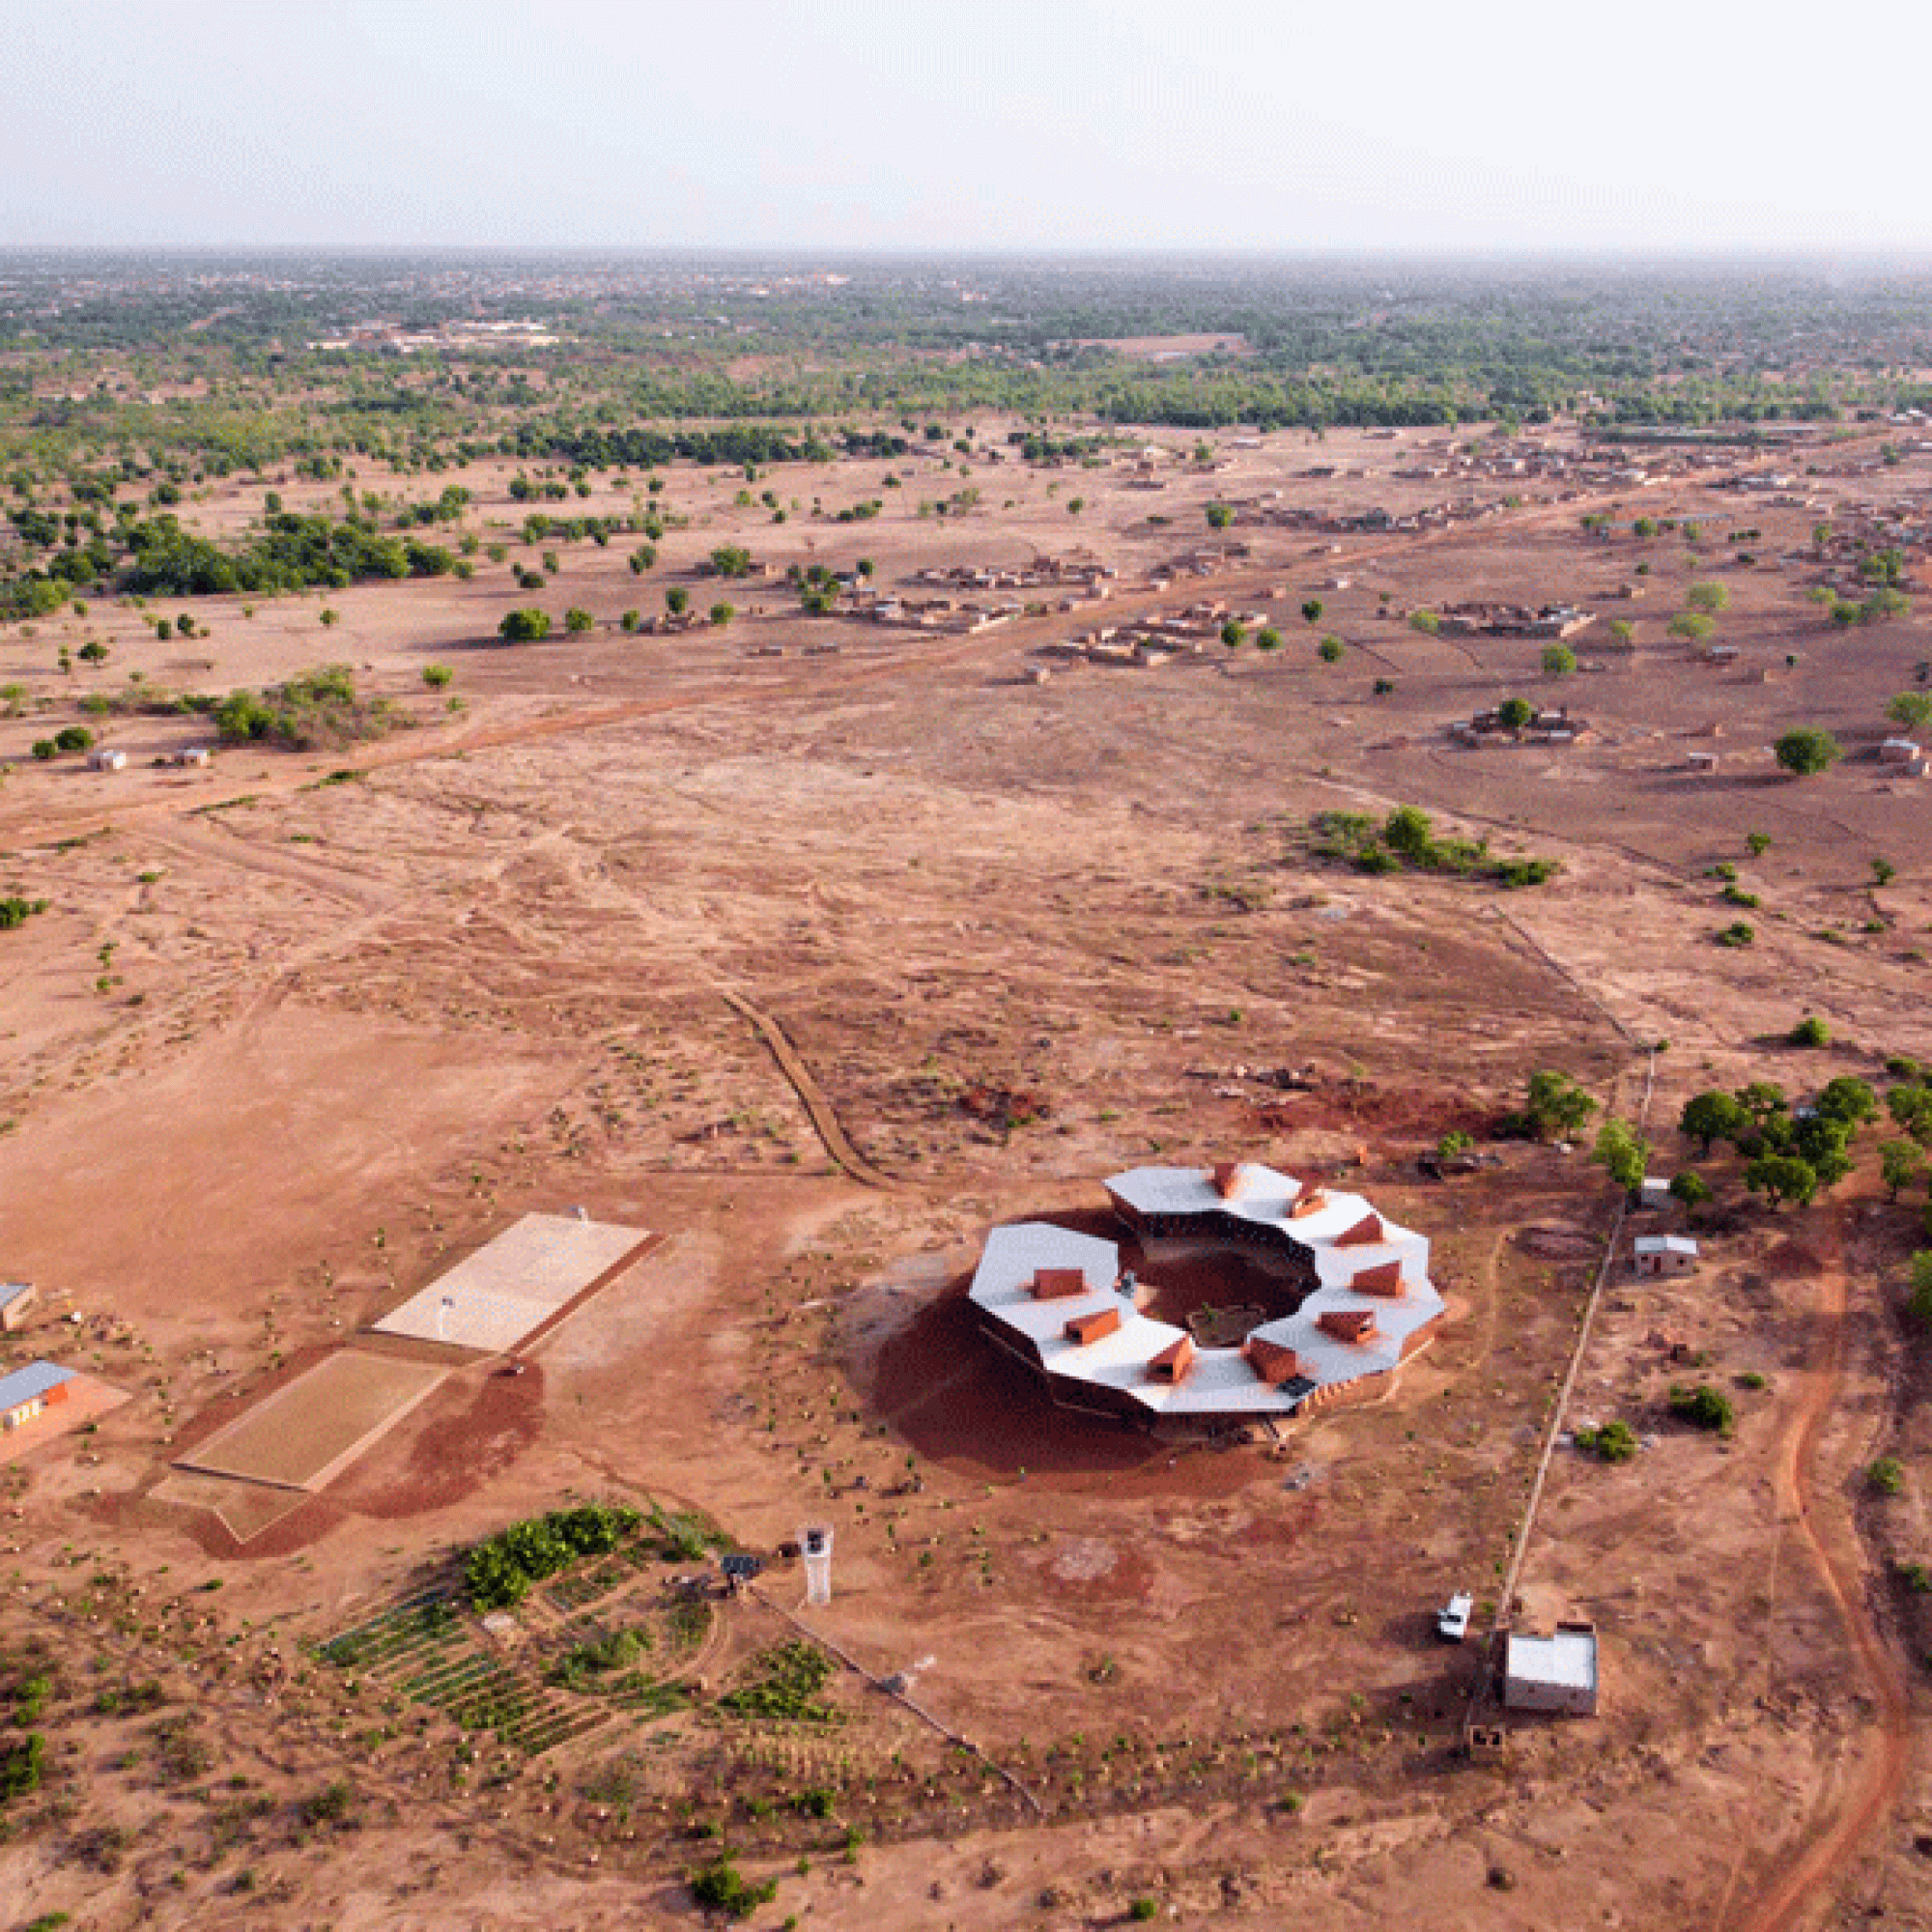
column 808, row 1090
column 1838, row 1844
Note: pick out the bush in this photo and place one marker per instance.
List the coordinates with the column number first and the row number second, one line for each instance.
column 1329, row 650
column 1810, row 1031
column 1143, row 1910
column 1703, row 1407
column 1807, row 751
column 524, row 627
column 578, row 621
column 720, row 1886
column 436, row 676
column 23, row 1768
column 499, row 1573
column 1558, row 659
column 1741, row 933
column 1613, row 1442
column 1885, row 1477
column 72, row 738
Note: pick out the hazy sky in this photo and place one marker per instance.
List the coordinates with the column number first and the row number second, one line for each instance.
column 1045, row 124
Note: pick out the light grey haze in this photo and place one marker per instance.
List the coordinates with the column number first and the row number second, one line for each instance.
column 1034, row 125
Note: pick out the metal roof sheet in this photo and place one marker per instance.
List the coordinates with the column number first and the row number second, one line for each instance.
column 36, row 1379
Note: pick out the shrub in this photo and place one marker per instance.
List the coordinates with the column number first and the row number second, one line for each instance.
column 1807, row 751
column 1810, row 1031
column 578, row 621
column 1885, row 1477
column 1329, row 650
column 720, row 1886
column 1613, row 1442
column 436, row 676
column 1703, row 1407
column 524, row 627
column 23, row 1767
column 1143, row 1910
column 1558, row 659
column 72, row 738
column 1740, row 933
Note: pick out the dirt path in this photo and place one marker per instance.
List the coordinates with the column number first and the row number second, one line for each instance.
column 808, row 1090
column 1814, row 1866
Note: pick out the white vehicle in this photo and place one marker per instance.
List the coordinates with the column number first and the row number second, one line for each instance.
column 1452, row 1620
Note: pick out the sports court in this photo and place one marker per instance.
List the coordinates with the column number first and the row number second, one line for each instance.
column 310, row 1430
column 516, row 1284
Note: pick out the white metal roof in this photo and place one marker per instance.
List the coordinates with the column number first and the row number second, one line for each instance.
column 1666, row 1244
column 1565, row 1660
column 1220, row 1381
column 11, row 1291
column 36, row 1379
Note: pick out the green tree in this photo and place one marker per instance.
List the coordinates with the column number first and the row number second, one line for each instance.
column 1267, row 639
column 1919, row 1301
column 1849, row 1099
column 1710, row 598
column 1408, row 831
column 1514, row 713
column 524, row 627
column 1781, row 1177
column 1234, row 634
column 1622, row 1154
column 1901, row 1164
column 1810, row 1031
column 1882, row 872
column 1425, row 621
column 1759, row 844
column 1691, row 627
column 1557, row 1108
column 1311, row 611
column 721, row 614
column 1715, row 1116
column 436, row 676
column 1219, row 516
column 1807, row 751
column 1558, row 659
column 677, row 600
column 732, row 561
column 1329, row 650
column 578, row 621
column 1911, row 708
column 1690, row 1190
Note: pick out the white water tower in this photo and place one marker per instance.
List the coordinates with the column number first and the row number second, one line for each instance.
column 815, row 1544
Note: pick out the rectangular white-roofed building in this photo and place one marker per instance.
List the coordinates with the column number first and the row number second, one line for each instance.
column 1665, row 1253
column 1557, row 1672
column 27, row 1391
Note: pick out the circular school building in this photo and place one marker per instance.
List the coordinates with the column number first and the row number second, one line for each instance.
column 1344, row 1299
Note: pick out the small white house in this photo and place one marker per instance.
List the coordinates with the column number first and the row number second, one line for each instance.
column 105, row 758
column 1665, row 1253
column 1654, row 1193
column 1557, row 1672
column 1899, row 752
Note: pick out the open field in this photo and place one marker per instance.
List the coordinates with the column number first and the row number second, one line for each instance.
column 822, row 965
column 301, row 1435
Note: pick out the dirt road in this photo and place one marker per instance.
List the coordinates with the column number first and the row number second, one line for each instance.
column 1800, row 1887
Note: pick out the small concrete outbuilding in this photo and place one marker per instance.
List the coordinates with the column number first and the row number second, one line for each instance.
column 1557, row 1673
column 1657, row 1255
column 16, row 1303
